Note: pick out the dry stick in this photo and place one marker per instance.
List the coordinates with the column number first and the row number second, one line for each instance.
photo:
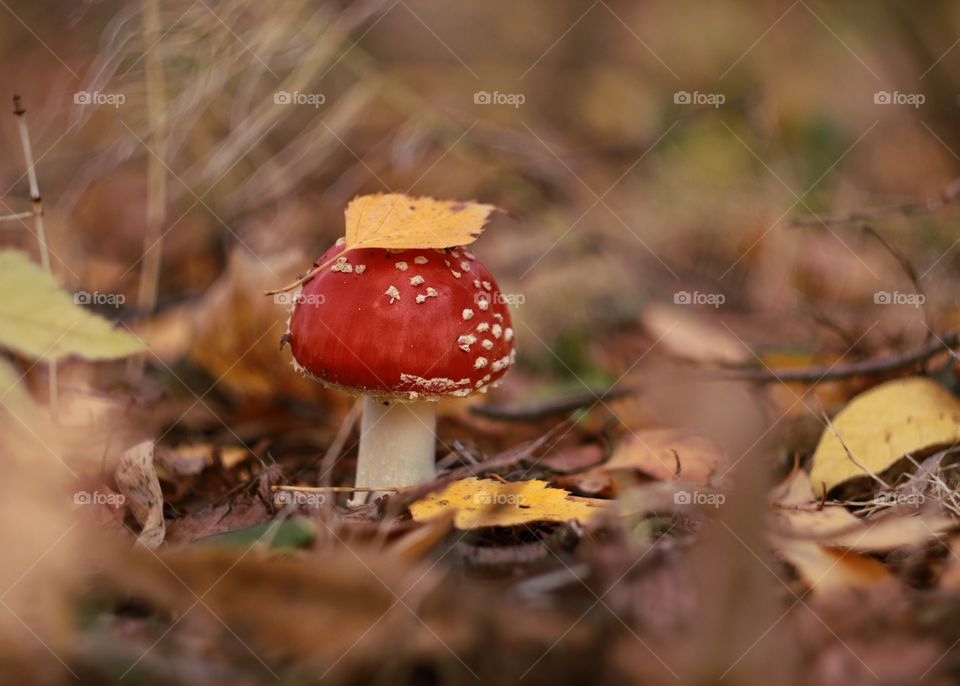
column 908, row 269
column 16, row 217
column 850, row 455
column 335, row 489
column 309, row 274
column 36, row 204
column 339, row 440
column 845, row 371
column 156, row 172
column 949, row 195
column 551, row 407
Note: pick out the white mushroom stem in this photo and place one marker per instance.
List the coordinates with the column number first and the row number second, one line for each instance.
column 397, row 443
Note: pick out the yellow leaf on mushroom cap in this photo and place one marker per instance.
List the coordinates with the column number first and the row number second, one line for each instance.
column 881, row 426
column 485, row 502
column 396, row 221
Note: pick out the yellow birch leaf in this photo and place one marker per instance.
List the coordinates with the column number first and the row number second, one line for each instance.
column 41, row 320
column 882, row 425
column 484, row 502
column 397, row 221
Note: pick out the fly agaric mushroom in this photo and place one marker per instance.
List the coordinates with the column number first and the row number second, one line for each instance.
column 404, row 329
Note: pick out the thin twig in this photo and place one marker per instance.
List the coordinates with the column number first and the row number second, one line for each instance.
column 908, row 269
column 334, row 489
column 36, row 203
column 16, row 217
column 339, row 440
column 549, row 408
column 949, row 195
column 845, row 371
column 860, row 465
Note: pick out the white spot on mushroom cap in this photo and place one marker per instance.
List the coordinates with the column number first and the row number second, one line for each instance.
column 476, row 283
column 465, row 341
column 498, row 316
column 469, row 255
column 508, row 334
column 431, row 293
column 487, row 286
column 435, row 386
column 497, row 330
column 419, row 259
column 402, row 266
column 360, row 268
column 455, row 273
column 467, row 314
column 480, row 363
column 483, row 326
column 344, row 267
column 465, row 266
column 487, row 343
column 416, row 280
column 483, row 304
column 392, row 293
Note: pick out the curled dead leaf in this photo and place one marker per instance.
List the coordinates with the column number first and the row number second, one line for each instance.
column 137, row 480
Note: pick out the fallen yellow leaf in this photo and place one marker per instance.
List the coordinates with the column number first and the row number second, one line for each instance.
column 397, row 221
column 881, row 426
column 485, row 502
column 41, row 320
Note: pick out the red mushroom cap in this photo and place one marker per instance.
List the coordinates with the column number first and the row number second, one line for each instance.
column 412, row 323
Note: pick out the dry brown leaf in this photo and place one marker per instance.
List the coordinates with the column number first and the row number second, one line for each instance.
column 237, row 331
column 667, row 454
column 825, row 570
column 396, row 221
column 837, row 527
column 691, row 336
column 137, row 479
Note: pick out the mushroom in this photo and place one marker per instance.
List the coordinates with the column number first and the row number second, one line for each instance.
column 403, row 340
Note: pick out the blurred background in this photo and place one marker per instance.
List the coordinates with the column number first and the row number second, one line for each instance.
column 659, row 164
